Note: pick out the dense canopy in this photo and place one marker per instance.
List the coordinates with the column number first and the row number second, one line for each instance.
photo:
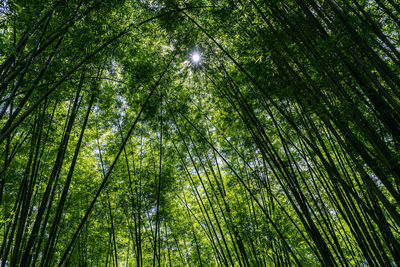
column 200, row 133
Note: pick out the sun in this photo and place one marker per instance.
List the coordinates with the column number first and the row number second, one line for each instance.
column 196, row 58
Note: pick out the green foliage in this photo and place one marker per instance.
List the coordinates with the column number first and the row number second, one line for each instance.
column 281, row 147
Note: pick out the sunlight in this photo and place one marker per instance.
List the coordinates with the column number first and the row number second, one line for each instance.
column 196, row 58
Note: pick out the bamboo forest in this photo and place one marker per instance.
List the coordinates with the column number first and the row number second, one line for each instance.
column 199, row 133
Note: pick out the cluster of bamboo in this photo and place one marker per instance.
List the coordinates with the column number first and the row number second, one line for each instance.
column 322, row 111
